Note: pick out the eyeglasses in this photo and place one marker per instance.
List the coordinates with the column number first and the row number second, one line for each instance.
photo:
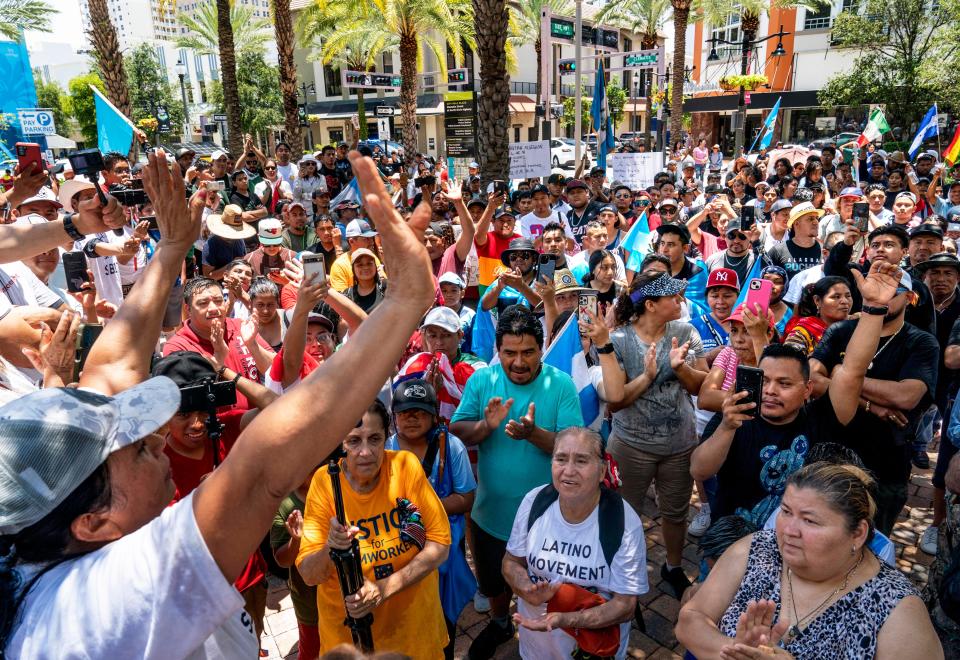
column 270, row 167
column 324, row 336
column 624, row 196
column 518, row 256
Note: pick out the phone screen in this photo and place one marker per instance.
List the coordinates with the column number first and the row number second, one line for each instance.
column 75, row 270
column 750, row 379
column 547, row 267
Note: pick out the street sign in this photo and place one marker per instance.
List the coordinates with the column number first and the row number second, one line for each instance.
column 385, row 111
column 641, row 59
column 219, row 118
column 383, row 128
column 36, row 121
column 561, row 28
column 369, row 80
column 459, row 124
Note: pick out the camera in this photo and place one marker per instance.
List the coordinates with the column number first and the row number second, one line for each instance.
column 87, row 162
column 207, row 395
column 132, row 195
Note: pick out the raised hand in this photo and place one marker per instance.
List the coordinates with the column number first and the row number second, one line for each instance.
column 406, row 258
column 340, row 537
column 879, row 287
column 454, row 191
column 93, row 218
column 27, row 182
column 593, row 326
column 140, row 231
column 294, row 524
column 521, row 429
column 734, row 412
column 179, row 224
column 311, row 293
column 496, row 411
column 249, row 330
column 678, row 354
column 220, row 348
column 57, row 348
column 650, row 366
column 755, row 323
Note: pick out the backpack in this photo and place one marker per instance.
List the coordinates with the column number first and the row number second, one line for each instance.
column 610, row 517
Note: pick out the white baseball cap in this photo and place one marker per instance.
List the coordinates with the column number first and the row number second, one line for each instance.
column 442, row 317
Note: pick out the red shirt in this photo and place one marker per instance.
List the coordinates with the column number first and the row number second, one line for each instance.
column 189, row 472
column 239, row 358
column 274, row 378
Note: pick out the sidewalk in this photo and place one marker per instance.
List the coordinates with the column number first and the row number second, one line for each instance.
column 660, row 608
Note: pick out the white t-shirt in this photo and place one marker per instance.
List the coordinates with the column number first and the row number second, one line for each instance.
column 155, row 593
column 556, row 549
column 799, row 281
column 20, row 286
column 531, row 225
column 106, row 270
column 130, row 272
column 288, row 172
column 286, row 190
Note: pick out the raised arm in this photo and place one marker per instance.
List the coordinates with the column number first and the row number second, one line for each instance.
column 483, row 226
column 137, row 324
column 235, row 505
column 467, row 229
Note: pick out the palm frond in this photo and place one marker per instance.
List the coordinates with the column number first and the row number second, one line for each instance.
column 17, row 15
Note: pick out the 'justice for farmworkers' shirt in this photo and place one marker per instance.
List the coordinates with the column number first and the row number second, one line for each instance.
column 508, row 468
column 411, row 622
column 555, row 549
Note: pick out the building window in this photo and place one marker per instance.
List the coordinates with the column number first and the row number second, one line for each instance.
column 728, row 32
column 331, row 81
column 627, row 75
column 387, row 63
column 851, row 6
column 818, row 19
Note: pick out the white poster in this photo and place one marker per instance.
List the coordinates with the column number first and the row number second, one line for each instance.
column 634, row 170
column 529, row 159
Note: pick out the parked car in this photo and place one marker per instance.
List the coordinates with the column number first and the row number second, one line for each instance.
column 380, row 145
column 563, row 153
column 836, row 140
column 591, row 141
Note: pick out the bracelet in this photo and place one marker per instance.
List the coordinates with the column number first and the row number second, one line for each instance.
column 220, row 372
column 70, row 228
column 606, row 349
column 236, row 378
column 875, row 311
column 866, row 408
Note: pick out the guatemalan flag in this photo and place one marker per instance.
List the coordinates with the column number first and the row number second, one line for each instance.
column 566, row 354
column 114, row 130
column 637, row 242
column 350, row 193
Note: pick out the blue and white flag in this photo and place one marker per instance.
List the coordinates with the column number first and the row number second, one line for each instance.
column 350, row 193
column 928, row 128
column 637, row 242
column 484, row 335
column 754, row 274
column 602, row 125
column 766, row 133
column 566, row 354
column 114, row 129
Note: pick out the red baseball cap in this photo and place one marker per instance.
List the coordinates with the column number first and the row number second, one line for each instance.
column 723, row 277
column 737, row 315
column 603, row 642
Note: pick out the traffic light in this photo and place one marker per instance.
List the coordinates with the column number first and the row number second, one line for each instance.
column 457, row 76
column 568, row 66
column 302, row 114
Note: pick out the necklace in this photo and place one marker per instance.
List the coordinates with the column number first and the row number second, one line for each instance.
column 793, row 632
column 733, row 264
column 946, row 303
column 882, row 348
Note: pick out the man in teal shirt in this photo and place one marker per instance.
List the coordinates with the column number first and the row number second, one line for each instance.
column 513, row 411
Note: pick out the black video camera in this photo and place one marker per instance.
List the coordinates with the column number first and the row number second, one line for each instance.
column 207, row 395
column 132, row 195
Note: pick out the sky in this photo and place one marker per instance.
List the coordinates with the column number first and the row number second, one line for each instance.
column 65, row 26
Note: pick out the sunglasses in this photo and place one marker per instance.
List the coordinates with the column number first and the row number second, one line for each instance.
column 668, row 211
column 269, row 168
column 521, row 256
column 737, row 236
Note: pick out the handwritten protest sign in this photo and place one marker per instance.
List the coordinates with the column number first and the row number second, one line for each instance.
column 529, row 159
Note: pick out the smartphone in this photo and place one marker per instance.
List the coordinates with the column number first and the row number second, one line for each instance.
column 588, row 301
column 313, row 264
column 500, row 187
column 750, row 379
column 75, row 269
column 546, row 267
column 85, row 337
column 151, row 220
column 219, row 186
column 748, row 216
column 758, row 293
column 29, row 152
column 861, row 216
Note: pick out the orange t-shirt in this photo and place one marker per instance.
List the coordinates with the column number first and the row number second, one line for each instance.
column 416, row 608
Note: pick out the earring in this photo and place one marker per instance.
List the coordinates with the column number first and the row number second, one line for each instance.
column 853, row 550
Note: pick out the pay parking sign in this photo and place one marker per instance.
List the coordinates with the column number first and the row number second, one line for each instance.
column 36, row 121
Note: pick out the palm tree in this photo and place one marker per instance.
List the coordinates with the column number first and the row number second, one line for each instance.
column 681, row 16
column 526, row 27
column 491, row 22
column 17, row 15
column 355, row 47
column 417, row 26
column 228, row 76
column 249, row 31
column 283, row 29
column 643, row 17
column 106, row 50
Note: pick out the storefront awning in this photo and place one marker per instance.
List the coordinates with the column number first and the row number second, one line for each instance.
column 427, row 104
column 520, row 104
column 59, row 142
column 758, row 101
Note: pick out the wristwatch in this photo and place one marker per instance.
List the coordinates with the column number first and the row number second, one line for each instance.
column 71, row 228
column 605, row 349
column 875, row 311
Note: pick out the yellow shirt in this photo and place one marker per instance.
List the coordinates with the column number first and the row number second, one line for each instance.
column 341, row 272
column 411, row 622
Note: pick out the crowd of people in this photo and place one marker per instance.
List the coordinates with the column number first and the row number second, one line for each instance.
column 267, row 367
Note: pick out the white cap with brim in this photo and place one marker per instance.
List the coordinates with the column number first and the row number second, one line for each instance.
column 442, row 317
column 53, row 439
column 45, row 194
column 230, row 224
column 70, row 188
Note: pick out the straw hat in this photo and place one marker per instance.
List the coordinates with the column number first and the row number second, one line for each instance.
column 229, row 223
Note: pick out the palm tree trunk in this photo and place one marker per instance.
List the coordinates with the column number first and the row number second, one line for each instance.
column 106, row 49
column 228, row 76
column 408, row 96
column 681, row 14
column 283, row 30
column 490, row 19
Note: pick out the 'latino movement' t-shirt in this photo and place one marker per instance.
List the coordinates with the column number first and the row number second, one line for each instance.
column 508, row 468
column 571, row 552
column 411, row 622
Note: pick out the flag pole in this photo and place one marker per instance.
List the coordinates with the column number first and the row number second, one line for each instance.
column 936, row 112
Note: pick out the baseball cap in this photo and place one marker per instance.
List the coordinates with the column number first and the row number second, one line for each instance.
column 359, row 228
column 361, row 252
column 45, row 194
column 597, row 171
column 312, row 317
column 679, row 230
column 737, row 315
column 217, row 155
column 850, row 191
column 669, row 201
column 607, row 208
column 906, row 195
column 557, row 178
column 270, row 231
column 414, row 394
column 474, row 164
column 183, row 151
column 502, row 211
column 539, row 188
column 573, row 184
column 452, row 278
column 53, row 439
column 781, row 204
column 442, row 317
column 926, row 229
column 723, row 277
column 476, row 201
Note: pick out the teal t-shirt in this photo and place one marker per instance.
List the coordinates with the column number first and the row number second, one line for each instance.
column 508, row 469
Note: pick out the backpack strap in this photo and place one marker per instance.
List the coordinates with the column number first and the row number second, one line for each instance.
column 541, row 502
column 611, row 519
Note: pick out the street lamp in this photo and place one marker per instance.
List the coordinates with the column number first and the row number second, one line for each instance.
column 745, row 47
column 181, row 70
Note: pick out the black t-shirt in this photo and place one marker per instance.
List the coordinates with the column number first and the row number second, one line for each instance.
column 334, row 179
column 246, row 202
column 329, row 256
column 910, row 354
column 762, row 456
column 793, row 258
column 578, row 221
column 342, row 165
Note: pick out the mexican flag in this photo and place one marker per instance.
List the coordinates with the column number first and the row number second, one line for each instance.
column 876, row 126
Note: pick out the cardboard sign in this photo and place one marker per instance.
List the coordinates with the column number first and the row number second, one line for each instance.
column 634, row 170
column 529, row 159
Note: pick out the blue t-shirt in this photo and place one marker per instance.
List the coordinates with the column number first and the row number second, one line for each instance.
column 510, row 296
column 508, row 469
column 711, row 331
column 218, row 252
